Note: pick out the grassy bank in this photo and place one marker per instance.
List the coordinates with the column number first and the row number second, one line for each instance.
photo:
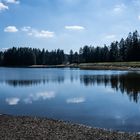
column 92, row 66
column 96, row 66
column 111, row 66
column 33, row 128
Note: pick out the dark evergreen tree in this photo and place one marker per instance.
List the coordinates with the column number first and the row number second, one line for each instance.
column 122, row 50
column 97, row 54
column 129, row 46
column 114, row 52
column 76, row 57
column 86, row 54
column 136, row 47
column 81, row 60
column 105, row 54
column 71, row 57
column 1, row 58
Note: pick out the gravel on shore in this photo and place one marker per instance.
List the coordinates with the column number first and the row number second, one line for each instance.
column 34, row 128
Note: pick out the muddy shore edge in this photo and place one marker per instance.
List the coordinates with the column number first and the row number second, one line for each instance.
column 35, row 128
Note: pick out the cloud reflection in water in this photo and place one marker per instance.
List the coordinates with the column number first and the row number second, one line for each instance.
column 12, row 101
column 38, row 96
column 75, row 100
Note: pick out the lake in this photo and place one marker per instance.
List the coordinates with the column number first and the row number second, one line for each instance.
column 103, row 99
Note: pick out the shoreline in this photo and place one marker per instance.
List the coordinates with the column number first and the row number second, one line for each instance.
column 129, row 66
column 109, row 68
column 24, row 127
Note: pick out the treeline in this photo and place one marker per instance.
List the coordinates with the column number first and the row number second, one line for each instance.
column 125, row 50
column 29, row 56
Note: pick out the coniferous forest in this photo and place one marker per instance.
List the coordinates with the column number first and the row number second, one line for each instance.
column 124, row 50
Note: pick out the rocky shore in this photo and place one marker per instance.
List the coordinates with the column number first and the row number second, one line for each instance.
column 33, row 128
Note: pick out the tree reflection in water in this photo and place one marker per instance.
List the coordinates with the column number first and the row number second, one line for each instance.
column 33, row 82
column 127, row 83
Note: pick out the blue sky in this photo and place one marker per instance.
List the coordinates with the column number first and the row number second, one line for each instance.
column 66, row 24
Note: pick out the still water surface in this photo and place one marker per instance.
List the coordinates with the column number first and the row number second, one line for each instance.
column 106, row 99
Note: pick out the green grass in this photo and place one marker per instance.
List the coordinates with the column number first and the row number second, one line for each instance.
column 116, row 64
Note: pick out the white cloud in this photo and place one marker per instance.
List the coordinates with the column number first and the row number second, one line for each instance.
column 12, row 101
column 3, row 7
column 31, row 32
column 26, row 29
column 37, row 96
column 112, row 36
column 13, row 1
column 37, row 33
column 75, row 100
column 74, row 27
column 43, row 34
column 119, row 8
column 11, row 29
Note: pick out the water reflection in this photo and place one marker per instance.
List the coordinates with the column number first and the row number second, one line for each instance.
column 47, row 95
column 89, row 97
column 26, row 83
column 126, row 83
column 39, row 96
column 12, row 101
column 17, row 83
column 76, row 100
